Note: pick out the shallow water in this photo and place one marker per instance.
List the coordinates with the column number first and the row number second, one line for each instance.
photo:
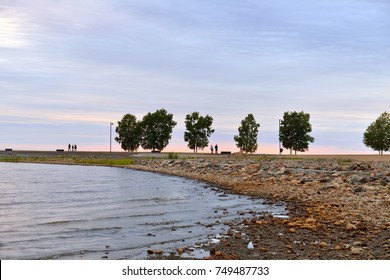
column 89, row 212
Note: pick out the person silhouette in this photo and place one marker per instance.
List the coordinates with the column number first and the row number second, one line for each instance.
column 212, row 149
column 216, row 148
column 69, row 147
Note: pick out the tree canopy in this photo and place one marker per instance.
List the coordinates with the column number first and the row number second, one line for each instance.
column 129, row 133
column 377, row 134
column 247, row 135
column 157, row 130
column 198, row 131
column 294, row 131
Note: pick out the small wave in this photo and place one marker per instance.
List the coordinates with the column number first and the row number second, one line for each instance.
column 65, row 222
column 61, row 222
column 67, row 233
column 100, row 229
column 158, row 199
column 147, row 215
column 164, row 223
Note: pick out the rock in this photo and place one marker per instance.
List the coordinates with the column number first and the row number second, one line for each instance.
column 325, row 180
column 338, row 248
column 338, row 180
column 359, row 189
column 157, row 252
column 359, row 244
column 323, row 244
column 250, row 246
column 304, row 181
column 361, row 227
column 356, row 251
column 350, row 227
column 384, row 183
column 330, row 187
column 363, row 180
column 386, row 203
column 311, row 220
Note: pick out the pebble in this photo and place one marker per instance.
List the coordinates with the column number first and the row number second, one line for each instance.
column 356, row 251
column 323, row 244
column 350, row 227
column 157, row 252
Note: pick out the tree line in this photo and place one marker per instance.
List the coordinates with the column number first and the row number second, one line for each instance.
column 154, row 132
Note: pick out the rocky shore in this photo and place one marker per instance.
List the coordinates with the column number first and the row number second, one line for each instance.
column 338, row 209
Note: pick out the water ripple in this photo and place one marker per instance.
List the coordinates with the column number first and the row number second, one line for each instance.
column 72, row 212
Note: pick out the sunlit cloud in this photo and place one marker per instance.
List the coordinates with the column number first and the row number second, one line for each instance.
column 11, row 34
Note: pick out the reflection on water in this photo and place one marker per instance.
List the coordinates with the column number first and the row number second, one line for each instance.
column 79, row 212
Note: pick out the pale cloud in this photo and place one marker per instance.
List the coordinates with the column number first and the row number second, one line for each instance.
column 89, row 62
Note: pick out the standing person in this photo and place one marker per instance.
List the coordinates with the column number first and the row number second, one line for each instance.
column 69, row 147
column 216, row 148
column 75, row 147
column 212, row 149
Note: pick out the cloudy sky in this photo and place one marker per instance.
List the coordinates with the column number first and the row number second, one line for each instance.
column 69, row 68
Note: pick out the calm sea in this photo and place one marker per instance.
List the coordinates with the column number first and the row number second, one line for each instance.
column 88, row 212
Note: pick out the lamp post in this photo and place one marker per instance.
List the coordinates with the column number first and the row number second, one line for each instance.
column 280, row 144
column 111, row 124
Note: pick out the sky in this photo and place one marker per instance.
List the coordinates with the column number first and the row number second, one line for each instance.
column 69, row 68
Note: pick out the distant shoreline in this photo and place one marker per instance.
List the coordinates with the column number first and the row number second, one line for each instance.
column 164, row 154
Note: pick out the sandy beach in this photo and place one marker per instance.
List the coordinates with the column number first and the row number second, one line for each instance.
column 338, row 205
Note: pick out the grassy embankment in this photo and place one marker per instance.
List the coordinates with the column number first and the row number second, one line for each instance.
column 71, row 160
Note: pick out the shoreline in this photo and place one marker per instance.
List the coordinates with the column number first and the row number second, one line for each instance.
column 331, row 216
column 338, row 207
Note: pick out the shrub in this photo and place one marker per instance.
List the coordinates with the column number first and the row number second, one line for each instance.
column 173, row 155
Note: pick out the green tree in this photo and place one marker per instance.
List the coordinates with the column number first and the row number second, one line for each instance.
column 377, row 134
column 198, row 131
column 247, row 135
column 157, row 130
column 294, row 131
column 129, row 133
